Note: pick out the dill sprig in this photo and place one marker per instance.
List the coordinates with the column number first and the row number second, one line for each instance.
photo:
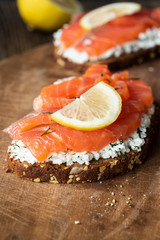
column 47, row 132
column 139, row 132
column 107, row 80
column 115, row 144
column 47, row 112
column 16, row 145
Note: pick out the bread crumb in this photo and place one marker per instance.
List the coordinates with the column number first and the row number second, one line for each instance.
column 113, row 193
column 107, row 204
column 122, row 194
column 77, row 222
column 92, row 199
column 60, row 62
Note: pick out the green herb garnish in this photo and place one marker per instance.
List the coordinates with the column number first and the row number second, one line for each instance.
column 47, row 132
column 16, row 145
column 116, row 88
column 108, row 80
column 122, row 154
column 115, row 144
column 136, row 147
column 47, row 112
column 139, row 132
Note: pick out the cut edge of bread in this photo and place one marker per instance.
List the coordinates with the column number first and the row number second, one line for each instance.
column 97, row 170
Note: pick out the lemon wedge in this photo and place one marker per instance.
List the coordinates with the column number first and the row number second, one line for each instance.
column 108, row 12
column 47, row 14
column 95, row 109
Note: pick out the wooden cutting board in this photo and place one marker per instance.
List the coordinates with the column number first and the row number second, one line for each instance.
column 30, row 211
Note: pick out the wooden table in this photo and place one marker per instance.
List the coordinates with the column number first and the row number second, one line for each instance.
column 44, row 211
column 31, row 211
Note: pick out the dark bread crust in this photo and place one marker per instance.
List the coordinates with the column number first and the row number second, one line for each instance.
column 113, row 63
column 97, row 170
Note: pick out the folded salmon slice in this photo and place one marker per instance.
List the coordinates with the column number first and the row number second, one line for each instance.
column 116, row 32
column 31, row 120
column 41, row 145
column 140, row 91
column 61, row 94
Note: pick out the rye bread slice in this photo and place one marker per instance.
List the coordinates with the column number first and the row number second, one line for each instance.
column 113, row 63
column 76, row 173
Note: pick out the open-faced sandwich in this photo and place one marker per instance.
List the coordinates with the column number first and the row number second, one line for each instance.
column 84, row 129
column 118, row 34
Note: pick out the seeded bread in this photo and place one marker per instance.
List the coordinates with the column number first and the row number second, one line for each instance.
column 113, row 63
column 97, row 170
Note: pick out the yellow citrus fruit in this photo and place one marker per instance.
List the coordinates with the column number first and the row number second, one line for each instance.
column 96, row 108
column 47, row 14
column 106, row 13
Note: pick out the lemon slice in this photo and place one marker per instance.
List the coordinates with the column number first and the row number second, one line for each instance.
column 95, row 109
column 108, row 12
column 47, row 14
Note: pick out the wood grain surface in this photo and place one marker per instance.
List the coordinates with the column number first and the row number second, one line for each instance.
column 31, row 211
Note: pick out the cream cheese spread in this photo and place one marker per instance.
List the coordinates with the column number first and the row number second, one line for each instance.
column 146, row 40
column 18, row 150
